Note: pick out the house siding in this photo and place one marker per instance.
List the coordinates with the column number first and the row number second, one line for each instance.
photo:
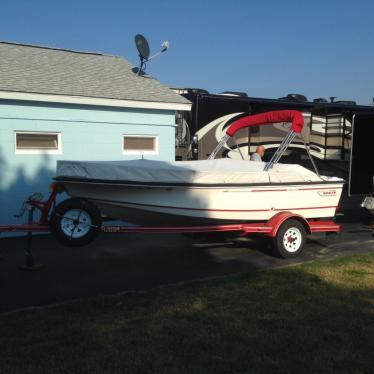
column 87, row 133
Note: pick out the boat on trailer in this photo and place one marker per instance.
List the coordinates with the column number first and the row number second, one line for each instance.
column 281, row 202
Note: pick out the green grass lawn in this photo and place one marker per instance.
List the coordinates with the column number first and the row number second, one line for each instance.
column 316, row 317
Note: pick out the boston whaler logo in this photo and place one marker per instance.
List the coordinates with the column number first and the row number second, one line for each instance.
column 327, row 193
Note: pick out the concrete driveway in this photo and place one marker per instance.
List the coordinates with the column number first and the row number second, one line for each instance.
column 116, row 263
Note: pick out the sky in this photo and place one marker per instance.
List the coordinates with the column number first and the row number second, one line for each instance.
column 266, row 48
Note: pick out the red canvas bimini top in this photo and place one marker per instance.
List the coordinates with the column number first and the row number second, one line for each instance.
column 293, row 116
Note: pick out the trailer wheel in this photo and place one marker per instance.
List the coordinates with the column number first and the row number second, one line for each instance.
column 290, row 239
column 75, row 222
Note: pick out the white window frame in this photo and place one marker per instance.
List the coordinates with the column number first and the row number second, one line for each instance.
column 139, row 151
column 38, row 151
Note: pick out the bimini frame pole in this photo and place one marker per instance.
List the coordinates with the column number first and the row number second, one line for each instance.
column 310, row 156
column 280, row 150
column 218, row 147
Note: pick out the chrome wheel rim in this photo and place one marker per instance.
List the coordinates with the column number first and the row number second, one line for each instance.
column 292, row 239
column 76, row 223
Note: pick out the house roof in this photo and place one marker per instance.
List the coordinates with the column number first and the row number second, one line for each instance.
column 36, row 71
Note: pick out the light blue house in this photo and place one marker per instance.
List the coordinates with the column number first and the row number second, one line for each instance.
column 65, row 105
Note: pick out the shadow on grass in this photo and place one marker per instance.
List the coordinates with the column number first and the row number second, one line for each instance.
column 309, row 318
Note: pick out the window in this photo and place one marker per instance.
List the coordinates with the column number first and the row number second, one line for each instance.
column 140, row 144
column 37, row 142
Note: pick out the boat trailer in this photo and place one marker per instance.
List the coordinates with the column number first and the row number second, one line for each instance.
column 271, row 228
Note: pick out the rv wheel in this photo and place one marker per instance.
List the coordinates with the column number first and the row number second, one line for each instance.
column 290, row 239
column 75, row 222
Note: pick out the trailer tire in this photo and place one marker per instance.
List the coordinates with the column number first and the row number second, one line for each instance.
column 290, row 239
column 75, row 222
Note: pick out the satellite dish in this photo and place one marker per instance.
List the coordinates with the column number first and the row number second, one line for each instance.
column 143, row 49
column 142, row 46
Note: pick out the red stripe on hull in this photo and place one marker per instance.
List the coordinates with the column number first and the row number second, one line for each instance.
column 228, row 210
column 315, row 207
column 323, row 188
column 300, row 189
column 268, row 190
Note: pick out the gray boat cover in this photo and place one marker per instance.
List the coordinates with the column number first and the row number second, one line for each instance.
column 220, row 171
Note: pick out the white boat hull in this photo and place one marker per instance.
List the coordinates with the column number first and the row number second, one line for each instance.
column 156, row 205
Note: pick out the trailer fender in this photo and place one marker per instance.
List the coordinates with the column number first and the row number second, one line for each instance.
column 277, row 220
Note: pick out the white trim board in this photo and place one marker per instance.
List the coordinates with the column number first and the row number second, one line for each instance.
column 64, row 99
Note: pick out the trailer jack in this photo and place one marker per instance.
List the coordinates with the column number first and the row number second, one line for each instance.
column 30, row 264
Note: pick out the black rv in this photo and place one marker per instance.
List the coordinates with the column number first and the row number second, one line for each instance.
column 361, row 172
column 328, row 127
